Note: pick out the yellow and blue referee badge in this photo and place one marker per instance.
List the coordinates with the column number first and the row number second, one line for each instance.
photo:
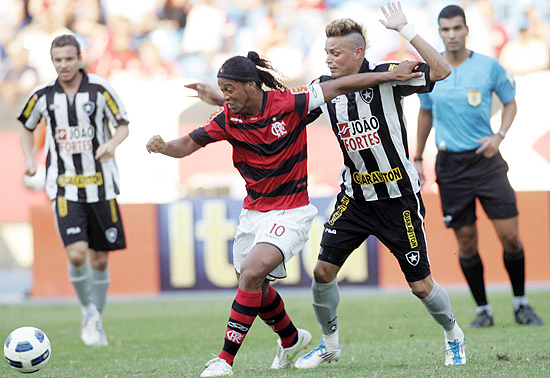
column 474, row 97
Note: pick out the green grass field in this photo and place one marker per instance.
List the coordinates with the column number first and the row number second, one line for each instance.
column 383, row 334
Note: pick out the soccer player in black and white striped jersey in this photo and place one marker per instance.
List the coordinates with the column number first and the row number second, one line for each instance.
column 380, row 187
column 82, row 178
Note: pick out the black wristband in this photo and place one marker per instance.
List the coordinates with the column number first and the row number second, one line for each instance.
column 418, row 158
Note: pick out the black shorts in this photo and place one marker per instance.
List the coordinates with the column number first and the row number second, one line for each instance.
column 464, row 176
column 398, row 223
column 97, row 223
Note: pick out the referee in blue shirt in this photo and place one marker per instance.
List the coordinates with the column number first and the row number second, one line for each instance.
column 469, row 165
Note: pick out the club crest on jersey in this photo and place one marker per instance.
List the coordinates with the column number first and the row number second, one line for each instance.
column 367, row 95
column 278, row 128
column 88, row 107
column 111, row 234
column 413, row 257
column 474, row 97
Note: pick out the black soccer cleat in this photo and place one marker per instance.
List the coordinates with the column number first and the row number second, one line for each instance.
column 526, row 315
column 482, row 320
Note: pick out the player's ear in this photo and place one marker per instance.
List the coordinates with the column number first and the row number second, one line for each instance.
column 359, row 53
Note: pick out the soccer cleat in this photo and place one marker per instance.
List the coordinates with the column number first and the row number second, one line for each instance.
column 526, row 315
column 285, row 356
column 455, row 354
column 317, row 356
column 91, row 331
column 482, row 320
column 102, row 339
column 217, row 367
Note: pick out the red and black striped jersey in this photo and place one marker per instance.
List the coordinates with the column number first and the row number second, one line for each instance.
column 269, row 149
column 372, row 133
column 74, row 131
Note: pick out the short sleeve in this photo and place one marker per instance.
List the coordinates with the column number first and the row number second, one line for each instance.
column 425, row 101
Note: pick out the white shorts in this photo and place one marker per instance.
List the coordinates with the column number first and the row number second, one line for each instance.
column 287, row 230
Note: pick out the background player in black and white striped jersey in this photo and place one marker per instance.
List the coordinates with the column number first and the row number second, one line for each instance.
column 82, row 178
column 380, row 188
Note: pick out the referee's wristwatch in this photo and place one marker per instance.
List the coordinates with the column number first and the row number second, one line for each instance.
column 502, row 133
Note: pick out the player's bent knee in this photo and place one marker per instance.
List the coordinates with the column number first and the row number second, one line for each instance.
column 77, row 253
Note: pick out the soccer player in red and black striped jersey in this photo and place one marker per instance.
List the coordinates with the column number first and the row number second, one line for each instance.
column 267, row 130
column 82, row 177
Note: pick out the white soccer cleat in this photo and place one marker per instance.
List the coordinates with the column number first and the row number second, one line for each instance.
column 91, row 331
column 285, row 356
column 455, row 354
column 317, row 356
column 217, row 367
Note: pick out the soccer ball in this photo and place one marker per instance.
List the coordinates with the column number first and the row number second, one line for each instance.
column 27, row 349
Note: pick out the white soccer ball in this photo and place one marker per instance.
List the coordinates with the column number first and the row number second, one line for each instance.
column 27, row 349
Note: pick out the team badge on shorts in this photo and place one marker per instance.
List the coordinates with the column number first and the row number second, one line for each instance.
column 413, row 257
column 474, row 97
column 111, row 234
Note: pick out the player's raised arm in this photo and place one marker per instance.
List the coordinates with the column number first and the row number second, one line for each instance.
column 396, row 20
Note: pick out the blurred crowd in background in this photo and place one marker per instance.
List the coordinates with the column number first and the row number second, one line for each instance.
column 164, row 39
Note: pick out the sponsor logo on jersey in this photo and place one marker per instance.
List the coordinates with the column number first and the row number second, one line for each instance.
column 410, row 229
column 359, row 134
column 302, row 89
column 377, row 177
column 112, row 104
column 367, row 95
column 413, row 257
column 215, row 114
column 330, row 231
column 75, row 139
column 30, row 106
column 80, row 181
column 111, row 234
column 392, row 67
column 278, row 128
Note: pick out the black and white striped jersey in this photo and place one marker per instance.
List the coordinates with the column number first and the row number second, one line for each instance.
column 372, row 133
column 74, row 130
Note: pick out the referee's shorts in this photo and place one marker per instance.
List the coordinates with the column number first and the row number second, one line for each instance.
column 464, row 176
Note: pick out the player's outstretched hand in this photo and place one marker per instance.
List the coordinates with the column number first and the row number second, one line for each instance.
column 206, row 93
column 404, row 71
column 156, row 144
column 395, row 18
